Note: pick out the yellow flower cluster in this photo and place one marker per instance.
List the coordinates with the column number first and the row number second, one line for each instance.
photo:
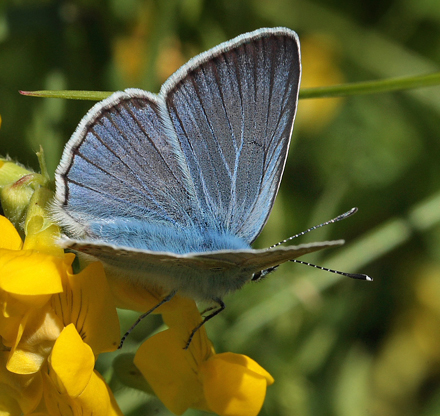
column 52, row 331
column 226, row 384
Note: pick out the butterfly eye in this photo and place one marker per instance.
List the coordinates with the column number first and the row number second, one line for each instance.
column 263, row 273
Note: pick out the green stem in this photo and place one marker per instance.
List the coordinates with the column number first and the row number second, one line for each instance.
column 372, row 87
column 69, row 94
column 355, row 88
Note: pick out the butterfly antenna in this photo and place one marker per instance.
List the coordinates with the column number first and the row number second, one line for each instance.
column 343, row 216
column 358, row 276
column 338, row 218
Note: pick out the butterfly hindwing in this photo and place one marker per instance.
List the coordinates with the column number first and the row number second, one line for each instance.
column 120, row 164
column 199, row 275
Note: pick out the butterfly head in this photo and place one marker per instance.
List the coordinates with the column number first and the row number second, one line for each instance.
column 263, row 273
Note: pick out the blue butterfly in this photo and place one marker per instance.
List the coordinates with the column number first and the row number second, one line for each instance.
column 171, row 190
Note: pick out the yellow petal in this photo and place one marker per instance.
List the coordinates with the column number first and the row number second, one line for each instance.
column 86, row 301
column 131, row 295
column 11, row 315
column 9, row 406
column 30, row 273
column 72, row 362
column 247, row 362
column 181, row 312
column 42, row 236
column 9, row 237
column 17, row 391
column 170, row 370
column 232, row 387
column 36, row 335
column 97, row 399
column 183, row 316
column 58, row 403
column 128, row 295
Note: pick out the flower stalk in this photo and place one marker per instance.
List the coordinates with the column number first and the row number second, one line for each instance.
column 342, row 90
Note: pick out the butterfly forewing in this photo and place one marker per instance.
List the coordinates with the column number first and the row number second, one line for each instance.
column 233, row 114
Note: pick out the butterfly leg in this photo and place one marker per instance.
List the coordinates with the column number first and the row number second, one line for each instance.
column 210, row 308
column 164, row 300
column 221, row 306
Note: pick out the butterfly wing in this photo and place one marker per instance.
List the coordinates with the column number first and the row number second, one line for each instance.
column 233, row 110
column 119, row 163
column 206, row 153
column 201, row 276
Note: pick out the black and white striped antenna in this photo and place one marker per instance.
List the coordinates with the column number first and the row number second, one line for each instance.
column 343, row 216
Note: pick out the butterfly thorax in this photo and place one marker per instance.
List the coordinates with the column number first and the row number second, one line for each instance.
column 163, row 237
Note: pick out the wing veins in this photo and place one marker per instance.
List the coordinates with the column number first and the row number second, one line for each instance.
column 193, row 81
column 267, row 160
column 159, row 153
column 162, row 183
column 78, row 153
column 208, row 201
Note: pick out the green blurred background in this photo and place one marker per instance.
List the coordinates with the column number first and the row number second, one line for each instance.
column 335, row 346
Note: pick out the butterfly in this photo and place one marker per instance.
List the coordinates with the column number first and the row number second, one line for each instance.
column 170, row 190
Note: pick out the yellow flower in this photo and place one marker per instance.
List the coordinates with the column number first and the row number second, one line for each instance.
column 51, row 326
column 72, row 386
column 227, row 384
column 28, row 279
